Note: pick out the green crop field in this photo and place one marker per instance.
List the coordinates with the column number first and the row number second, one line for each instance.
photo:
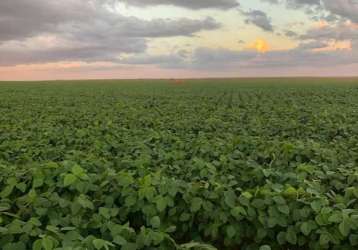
column 199, row 164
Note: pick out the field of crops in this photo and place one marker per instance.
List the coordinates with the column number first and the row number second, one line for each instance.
column 209, row 164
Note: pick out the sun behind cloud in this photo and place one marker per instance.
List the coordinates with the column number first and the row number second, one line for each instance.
column 260, row 45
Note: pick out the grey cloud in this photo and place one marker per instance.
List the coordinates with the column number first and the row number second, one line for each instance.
column 86, row 53
column 219, row 57
column 259, row 18
column 222, row 59
column 344, row 8
column 285, row 58
column 339, row 32
column 90, row 29
column 347, row 9
column 297, row 3
column 21, row 18
column 190, row 4
column 93, row 32
column 294, row 3
column 112, row 32
column 201, row 58
column 163, row 61
column 165, row 27
column 290, row 33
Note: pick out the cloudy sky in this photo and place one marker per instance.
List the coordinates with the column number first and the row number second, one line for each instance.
column 73, row 39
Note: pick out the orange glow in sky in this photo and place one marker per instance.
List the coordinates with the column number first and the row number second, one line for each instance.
column 336, row 45
column 260, row 45
column 321, row 24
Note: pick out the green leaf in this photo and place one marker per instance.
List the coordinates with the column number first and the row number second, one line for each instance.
column 105, row 212
column 32, row 195
column 273, row 221
column 119, row 240
column 184, row 217
column 261, row 233
column 230, row 198
column 77, row 170
column 247, row 195
column 52, row 229
column 291, row 236
column 161, row 203
column 35, row 221
column 353, row 239
column 238, row 212
column 196, row 245
column 306, row 228
column 322, row 219
column 21, row 186
column 37, row 245
column 155, row 222
column 335, row 217
column 7, row 191
column 38, row 180
column 171, row 229
column 69, row 180
column 284, row 209
column 279, row 200
column 316, row 206
column 47, row 243
column 281, row 238
column 125, row 179
column 258, row 203
column 15, row 246
column 324, row 239
column 244, row 199
column 4, row 230
column 196, row 204
column 99, row 243
column 147, row 192
column 231, row 231
column 344, row 227
column 12, row 181
column 5, row 207
column 85, row 202
column 265, row 247
column 130, row 200
column 129, row 246
column 290, row 192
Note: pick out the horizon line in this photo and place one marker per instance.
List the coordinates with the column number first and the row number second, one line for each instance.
column 187, row 78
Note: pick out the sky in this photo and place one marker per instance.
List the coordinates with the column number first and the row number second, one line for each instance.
column 107, row 39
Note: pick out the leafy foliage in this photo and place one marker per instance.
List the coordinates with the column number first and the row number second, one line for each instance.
column 190, row 166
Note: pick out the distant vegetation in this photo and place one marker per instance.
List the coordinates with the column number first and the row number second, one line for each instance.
column 227, row 164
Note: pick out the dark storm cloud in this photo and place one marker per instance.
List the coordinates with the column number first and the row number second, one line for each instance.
column 190, row 4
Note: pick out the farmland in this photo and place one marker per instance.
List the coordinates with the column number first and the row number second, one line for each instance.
column 199, row 164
